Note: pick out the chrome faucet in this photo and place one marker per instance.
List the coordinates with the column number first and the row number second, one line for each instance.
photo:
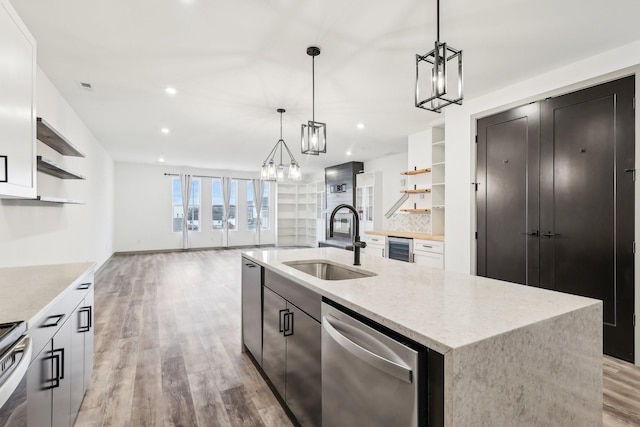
column 357, row 244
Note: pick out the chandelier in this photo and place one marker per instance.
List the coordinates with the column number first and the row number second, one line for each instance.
column 269, row 170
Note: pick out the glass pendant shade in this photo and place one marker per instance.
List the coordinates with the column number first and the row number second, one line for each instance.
column 440, row 72
column 269, row 171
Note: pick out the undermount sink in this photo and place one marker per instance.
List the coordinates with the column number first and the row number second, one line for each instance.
column 327, row 270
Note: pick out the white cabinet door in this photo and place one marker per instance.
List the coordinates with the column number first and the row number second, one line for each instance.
column 17, row 118
column 429, row 259
column 375, row 245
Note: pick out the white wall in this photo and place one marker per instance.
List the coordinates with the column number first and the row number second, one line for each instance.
column 460, row 147
column 33, row 233
column 143, row 210
column 390, row 166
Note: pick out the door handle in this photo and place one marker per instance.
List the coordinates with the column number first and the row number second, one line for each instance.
column 288, row 324
column 548, row 234
column 52, row 321
column 401, row 372
column 531, row 233
column 281, row 314
column 82, row 326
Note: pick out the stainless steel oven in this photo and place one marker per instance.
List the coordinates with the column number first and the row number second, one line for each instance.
column 15, row 356
column 399, row 248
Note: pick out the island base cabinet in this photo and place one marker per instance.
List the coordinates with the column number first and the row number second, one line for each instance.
column 274, row 346
column 252, row 308
column 304, row 365
column 291, row 357
column 48, row 383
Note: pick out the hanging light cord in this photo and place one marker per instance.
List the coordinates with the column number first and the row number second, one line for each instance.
column 438, row 20
column 313, row 89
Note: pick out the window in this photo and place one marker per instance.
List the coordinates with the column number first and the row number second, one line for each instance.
column 217, row 205
column 251, row 209
column 193, row 213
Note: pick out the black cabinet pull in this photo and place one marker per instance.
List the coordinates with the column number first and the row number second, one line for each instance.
column 82, row 326
column 250, row 265
column 531, row 233
column 57, row 368
column 52, row 321
column 84, row 286
column 549, row 234
column 288, row 324
column 281, row 314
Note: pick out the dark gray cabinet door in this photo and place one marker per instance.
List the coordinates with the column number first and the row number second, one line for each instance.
column 274, row 346
column 304, row 391
column 252, row 308
column 62, row 347
column 39, row 382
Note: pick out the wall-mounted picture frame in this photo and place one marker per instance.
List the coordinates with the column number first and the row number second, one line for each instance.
column 4, row 174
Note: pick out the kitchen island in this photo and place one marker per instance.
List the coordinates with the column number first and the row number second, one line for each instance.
column 513, row 355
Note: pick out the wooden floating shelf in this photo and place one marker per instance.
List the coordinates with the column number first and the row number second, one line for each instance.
column 416, row 171
column 49, row 136
column 417, row 190
column 54, row 169
column 416, row 210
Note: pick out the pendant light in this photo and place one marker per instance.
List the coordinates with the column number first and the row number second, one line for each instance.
column 440, row 77
column 269, row 170
column 313, row 134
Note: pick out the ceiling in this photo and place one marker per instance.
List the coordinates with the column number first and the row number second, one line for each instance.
column 234, row 63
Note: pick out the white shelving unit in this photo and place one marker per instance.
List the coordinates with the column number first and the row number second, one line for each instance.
column 437, row 179
column 296, row 214
column 369, row 200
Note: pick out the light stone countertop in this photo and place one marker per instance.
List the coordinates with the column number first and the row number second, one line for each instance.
column 439, row 309
column 27, row 291
column 409, row 234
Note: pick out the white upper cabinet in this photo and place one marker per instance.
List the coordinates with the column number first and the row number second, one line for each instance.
column 17, row 106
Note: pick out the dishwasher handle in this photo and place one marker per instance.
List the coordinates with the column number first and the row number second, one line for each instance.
column 401, row 372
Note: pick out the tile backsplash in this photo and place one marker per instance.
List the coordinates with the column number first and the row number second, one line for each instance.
column 416, row 223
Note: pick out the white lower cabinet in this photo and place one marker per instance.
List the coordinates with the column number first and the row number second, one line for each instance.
column 429, row 253
column 375, row 245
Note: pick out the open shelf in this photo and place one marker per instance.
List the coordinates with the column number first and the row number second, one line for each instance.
column 56, row 200
column 416, row 210
column 416, row 171
column 417, row 190
column 49, row 136
column 54, row 169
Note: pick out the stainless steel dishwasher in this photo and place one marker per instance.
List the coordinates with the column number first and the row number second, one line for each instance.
column 368, row 378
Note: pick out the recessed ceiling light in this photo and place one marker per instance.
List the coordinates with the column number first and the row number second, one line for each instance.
column 161, row 159
column 349, row 153
column 360, row 125
column 164, row 130
column 170, row 90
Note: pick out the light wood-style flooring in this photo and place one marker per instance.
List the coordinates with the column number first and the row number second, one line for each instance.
column 167, row 349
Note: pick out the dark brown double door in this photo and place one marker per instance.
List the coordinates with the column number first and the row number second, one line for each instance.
column 555, row 200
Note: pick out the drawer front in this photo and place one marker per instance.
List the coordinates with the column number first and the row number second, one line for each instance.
column 375, row 240
column 52, row 318
column 305, row 299
column 420, row 245
column 429, row 259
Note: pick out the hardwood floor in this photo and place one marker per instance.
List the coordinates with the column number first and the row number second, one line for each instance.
column 167, row 350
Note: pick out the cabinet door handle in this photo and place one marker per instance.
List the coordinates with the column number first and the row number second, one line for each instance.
column 427, row 246
column 84, row 286
column 57, row 368
column 549, row 234
column 288, row 324
column 281, row 314
column 52, row 321
column 84, row 327
column 250, row 265
column 531, row 233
